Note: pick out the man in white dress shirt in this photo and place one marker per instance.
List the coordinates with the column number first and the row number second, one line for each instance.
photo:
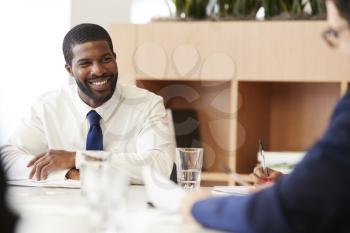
column 133, row 121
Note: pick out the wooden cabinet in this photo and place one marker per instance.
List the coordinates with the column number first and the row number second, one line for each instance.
column 288, row 116
column 274, row 80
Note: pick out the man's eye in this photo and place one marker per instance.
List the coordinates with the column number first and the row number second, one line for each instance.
column 84, row 64
column 106, row 59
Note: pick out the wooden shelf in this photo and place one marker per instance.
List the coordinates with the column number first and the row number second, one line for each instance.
column 217, row 178
column 247, row 80
column 288, row 116
column 250, row 50
column 211, row 100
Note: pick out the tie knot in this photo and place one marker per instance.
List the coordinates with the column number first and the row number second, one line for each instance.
column 93, row 118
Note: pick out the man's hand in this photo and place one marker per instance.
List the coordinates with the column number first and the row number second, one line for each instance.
column 73, row 174
column 53, row 160
column 261, row 179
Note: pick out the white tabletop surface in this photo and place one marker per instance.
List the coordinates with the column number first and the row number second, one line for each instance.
column 63, row 210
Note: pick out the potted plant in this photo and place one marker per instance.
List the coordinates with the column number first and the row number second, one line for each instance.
column 247, row 9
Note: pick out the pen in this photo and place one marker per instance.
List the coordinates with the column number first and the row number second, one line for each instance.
column 233, row 175
column 150, row 204
column 262, row 157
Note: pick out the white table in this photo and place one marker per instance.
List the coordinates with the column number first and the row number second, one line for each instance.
column 62, row 210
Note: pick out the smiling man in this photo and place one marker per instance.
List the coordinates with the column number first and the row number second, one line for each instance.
column 95, row 114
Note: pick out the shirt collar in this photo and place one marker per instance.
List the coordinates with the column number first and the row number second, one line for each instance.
column 105, row 110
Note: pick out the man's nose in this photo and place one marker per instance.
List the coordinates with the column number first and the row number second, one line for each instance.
column 97, row 69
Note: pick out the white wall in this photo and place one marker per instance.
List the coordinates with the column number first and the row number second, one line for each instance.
column 31, row 57
column 143, row 11
column 101, row 12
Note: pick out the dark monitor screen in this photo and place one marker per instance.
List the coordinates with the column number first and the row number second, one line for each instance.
column 186, row 126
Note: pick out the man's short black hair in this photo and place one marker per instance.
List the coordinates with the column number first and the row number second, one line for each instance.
column 343, row 7
column 83, row 33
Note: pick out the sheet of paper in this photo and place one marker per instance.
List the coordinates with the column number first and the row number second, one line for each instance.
column 283, row 161
column 161, row 191
column 232, row 190
column 46, row 183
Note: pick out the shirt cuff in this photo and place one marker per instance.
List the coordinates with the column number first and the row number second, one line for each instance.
column 58, row 175
column 78, row 159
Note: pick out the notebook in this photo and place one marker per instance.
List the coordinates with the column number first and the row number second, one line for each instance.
column 232, row 190
column 45, row 183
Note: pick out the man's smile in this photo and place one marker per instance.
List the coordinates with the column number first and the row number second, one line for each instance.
column 100, row 84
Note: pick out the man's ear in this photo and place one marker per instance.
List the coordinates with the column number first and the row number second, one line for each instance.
column 115, row 55
column 69, row 69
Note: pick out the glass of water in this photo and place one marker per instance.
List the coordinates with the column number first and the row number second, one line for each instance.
column 91, row 158
column 189, row 166
column 104, row 188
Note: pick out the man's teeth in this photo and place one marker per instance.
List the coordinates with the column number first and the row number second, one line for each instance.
column 99, row 83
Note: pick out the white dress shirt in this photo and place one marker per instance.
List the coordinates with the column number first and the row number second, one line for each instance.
column 134, row 124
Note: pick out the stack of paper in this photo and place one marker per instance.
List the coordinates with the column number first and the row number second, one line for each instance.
column 283, row 161
column 232, row 190
column 46, row 183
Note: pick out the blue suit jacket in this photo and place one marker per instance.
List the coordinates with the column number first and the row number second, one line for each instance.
column 315, row 197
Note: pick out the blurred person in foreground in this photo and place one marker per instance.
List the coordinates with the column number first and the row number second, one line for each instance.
column 315, row 197
column 7, row 218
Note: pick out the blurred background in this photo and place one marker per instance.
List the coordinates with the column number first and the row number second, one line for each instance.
column 230, row 71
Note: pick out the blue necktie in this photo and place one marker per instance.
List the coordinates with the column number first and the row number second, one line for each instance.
column 94, row 140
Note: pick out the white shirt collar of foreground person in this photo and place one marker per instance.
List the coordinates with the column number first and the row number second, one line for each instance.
column 134, row 124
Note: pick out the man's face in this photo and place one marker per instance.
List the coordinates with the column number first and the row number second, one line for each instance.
column 95, row 71
column 339, row 24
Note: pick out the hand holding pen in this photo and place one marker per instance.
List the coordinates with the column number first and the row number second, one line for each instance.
column 262, row 157
column 260, row 178
column 263, row 174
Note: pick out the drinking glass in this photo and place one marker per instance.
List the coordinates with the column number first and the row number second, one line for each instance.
column 93, row 158
column 104, row 187
column 189, row 166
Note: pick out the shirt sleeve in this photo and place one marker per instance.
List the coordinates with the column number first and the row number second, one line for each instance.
column 313, row 198
column 27, row 141
column 155, row 145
